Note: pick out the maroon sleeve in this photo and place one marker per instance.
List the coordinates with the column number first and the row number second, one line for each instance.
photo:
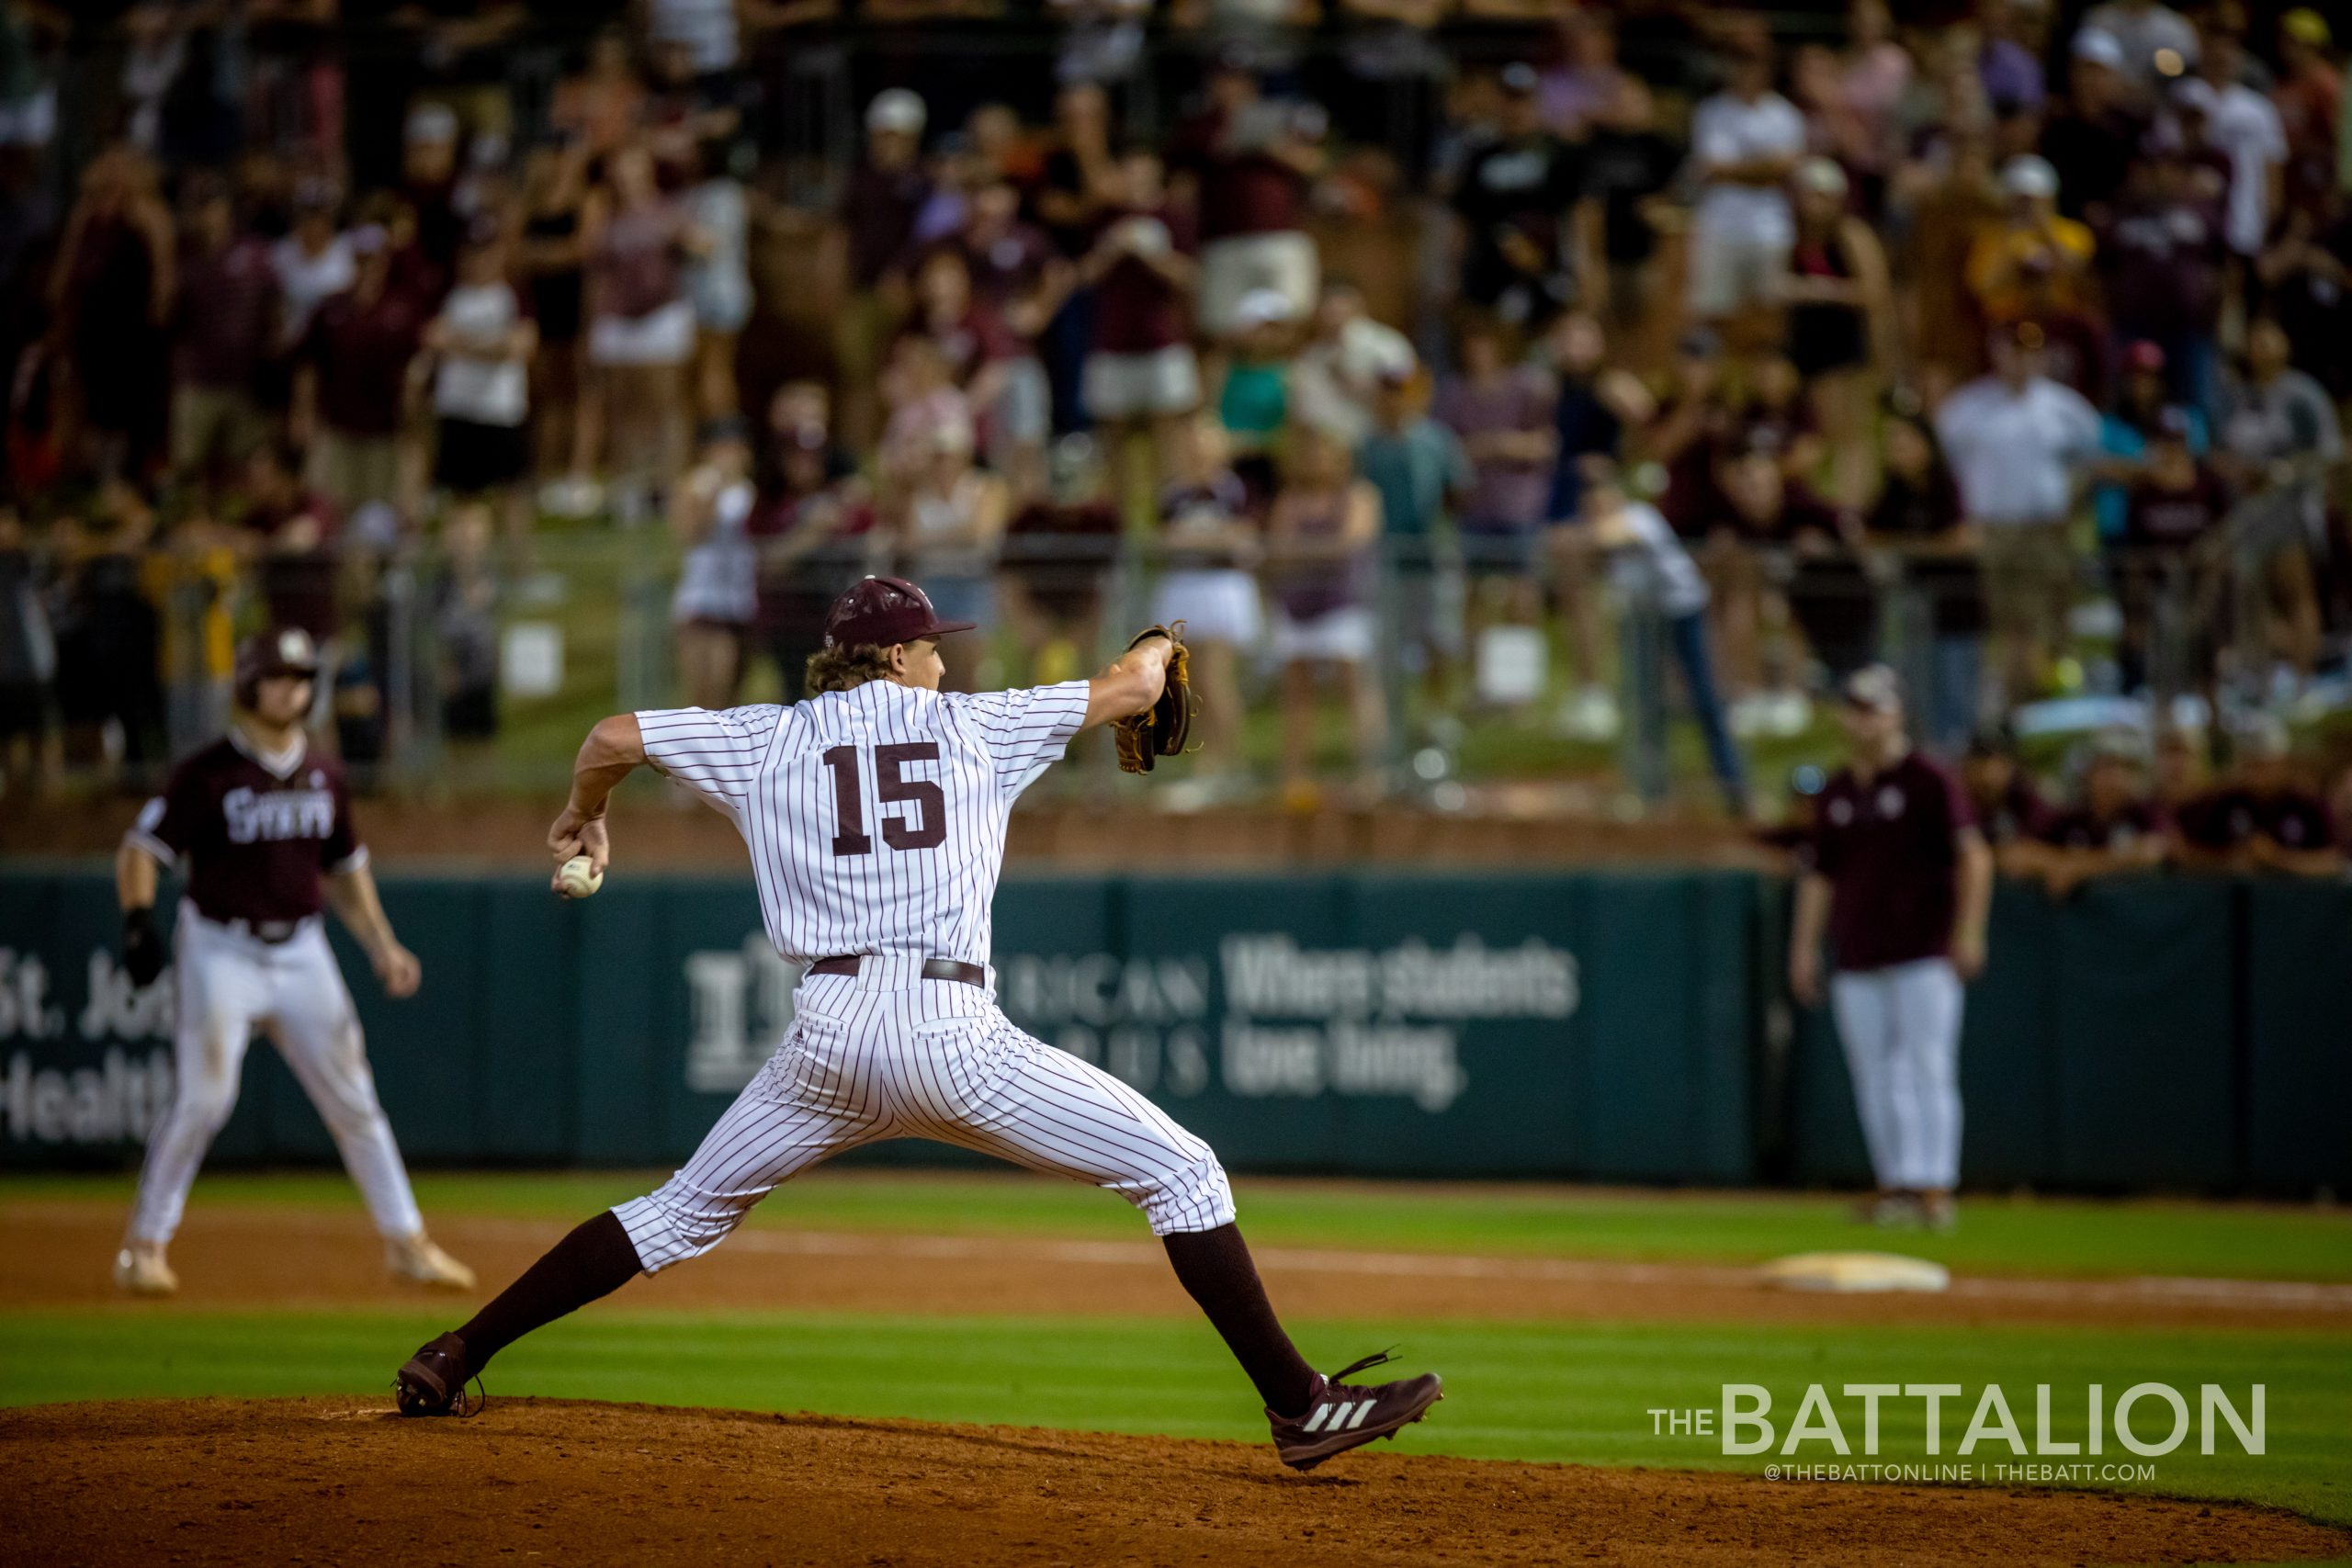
column 342, row 850
column 996, row 340
column 1824, row 849
column 1962, row 811
column 167, row 824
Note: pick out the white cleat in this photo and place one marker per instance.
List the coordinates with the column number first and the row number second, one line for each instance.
column 141, row 1270
column 416, row 1259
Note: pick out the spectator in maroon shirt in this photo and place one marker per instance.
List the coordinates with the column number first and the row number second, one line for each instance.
column 2116, row 827
column 2161, row 250
column 813, row 524
column 2009, row 810
column 1056, row 562
column 1141, row 376
column 879, row 205
column 227, row 321
column 352, row 387
column 1900, row 881
column 1020, row 278
column 1255, row 158
column 2173, row 507
column 290, row 533
column 983, row 358
column 2264, row 818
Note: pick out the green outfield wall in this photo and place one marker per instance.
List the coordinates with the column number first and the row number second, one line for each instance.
column 2163, row 1033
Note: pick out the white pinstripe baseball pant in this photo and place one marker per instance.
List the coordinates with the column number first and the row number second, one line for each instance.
column 885, row 1054
column 1900, row 1026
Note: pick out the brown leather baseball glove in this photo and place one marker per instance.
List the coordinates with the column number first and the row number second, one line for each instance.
column 1162, row 730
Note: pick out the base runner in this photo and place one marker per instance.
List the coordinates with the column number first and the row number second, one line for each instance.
column 262, row 831
column 874, row 814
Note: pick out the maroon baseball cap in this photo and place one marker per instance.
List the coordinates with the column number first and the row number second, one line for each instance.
column 879, row 611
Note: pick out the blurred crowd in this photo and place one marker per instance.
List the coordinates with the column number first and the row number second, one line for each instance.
column 2115, row 801
column 1434, row 360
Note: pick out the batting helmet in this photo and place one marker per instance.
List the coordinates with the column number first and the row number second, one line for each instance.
column 282, row 650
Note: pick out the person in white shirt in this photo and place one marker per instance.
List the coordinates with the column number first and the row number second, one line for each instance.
column 1337, row 375
column 1653, row 574
column 1745, row 140
column 2244, row 125
column 2016, row 440
column 313, row 261
column 482, row 343
column 718, row 595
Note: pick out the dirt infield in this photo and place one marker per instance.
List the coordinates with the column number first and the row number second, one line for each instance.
column 342, row 1480
column 241, row 1257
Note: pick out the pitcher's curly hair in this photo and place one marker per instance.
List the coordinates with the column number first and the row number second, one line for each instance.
column 839, row 669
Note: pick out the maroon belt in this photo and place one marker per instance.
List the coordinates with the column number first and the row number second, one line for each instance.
column 954, row 969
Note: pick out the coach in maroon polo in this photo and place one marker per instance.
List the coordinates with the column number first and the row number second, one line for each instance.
column 1899, row 879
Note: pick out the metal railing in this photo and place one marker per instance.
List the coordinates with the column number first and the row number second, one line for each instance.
column 452, row 676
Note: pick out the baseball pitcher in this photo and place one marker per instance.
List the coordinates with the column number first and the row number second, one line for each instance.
column 874, row 814
column 261, row 830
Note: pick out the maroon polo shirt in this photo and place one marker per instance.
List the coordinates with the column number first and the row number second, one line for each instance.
column 228, row 315
column 1887, row 849
column 879, row 207
column 1136, row 310
column 362, row 353
column 1243, row 191
column 251, row 842
column 1006, row 269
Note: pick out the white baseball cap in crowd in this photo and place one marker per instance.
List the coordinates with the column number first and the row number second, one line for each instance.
column 897, row 108
column 1263, row 307
column 1873, row 687
column 429, row 124
column 2099, row 47
column 1821, row 177
column 2030, row 175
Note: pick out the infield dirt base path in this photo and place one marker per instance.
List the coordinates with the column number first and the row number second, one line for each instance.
column 322, row 1480
column 232, row 1257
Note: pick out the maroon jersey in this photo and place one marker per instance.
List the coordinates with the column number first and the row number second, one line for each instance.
column 1136, row 310
column 2018, row 814
column 1887, row 849
column 2083, row 829
column 250, row 838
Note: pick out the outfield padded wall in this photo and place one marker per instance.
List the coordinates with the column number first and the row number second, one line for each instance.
column 2160, row 1033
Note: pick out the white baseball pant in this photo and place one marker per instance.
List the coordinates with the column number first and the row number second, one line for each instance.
column 885, row 1054
column 1900, row 1026
column 225, row 984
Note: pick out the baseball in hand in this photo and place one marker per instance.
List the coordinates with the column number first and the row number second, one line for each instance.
column 579, row 878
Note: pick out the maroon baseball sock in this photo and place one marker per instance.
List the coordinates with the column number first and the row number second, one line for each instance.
column 595, row 1260
column 1215, row 1268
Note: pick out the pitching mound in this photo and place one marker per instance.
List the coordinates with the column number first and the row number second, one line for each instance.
column 342, row 1480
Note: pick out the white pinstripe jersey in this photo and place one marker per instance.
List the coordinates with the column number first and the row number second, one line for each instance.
column 875, row 817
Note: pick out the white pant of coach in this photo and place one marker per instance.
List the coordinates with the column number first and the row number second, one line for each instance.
column 227, row 983
column 885, row 1054
column 1900, row 1026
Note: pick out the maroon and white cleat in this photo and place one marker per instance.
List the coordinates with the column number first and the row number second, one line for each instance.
column 1342, row 1416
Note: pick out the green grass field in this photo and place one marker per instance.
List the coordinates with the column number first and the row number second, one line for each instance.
column 2073, row 1237
column 1546, row 1390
